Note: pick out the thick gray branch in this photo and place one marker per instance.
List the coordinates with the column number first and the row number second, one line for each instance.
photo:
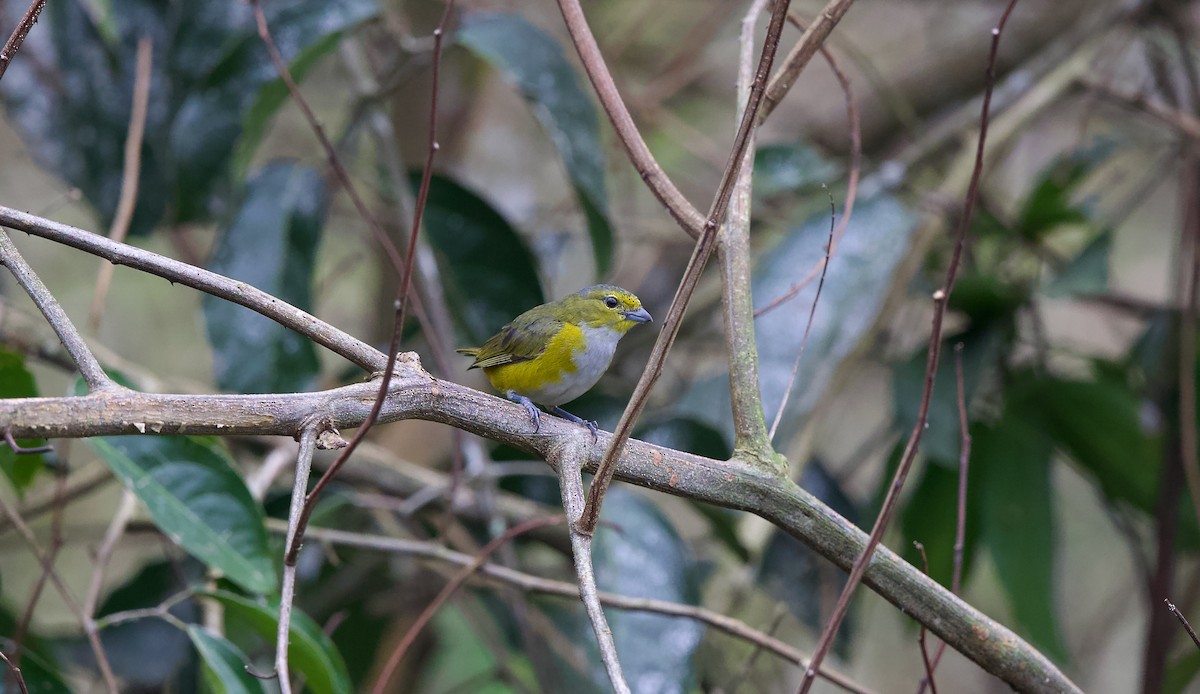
column 417, row 395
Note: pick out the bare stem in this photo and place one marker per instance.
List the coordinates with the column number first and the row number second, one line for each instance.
column 569, row 459
column 13, row 44
column 733, row 256
column 684, row 213
column 398, row 654
column 287, row 592
column 935, row 344
column 324, row 334
column 704, row 248
column 130, row 174
column 812, row 39
column 1183, row 620
column 546, row 586
column 92, row 373
column 85, row 622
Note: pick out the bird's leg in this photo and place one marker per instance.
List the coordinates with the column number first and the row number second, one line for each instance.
column 591, row 425
column 534, row 414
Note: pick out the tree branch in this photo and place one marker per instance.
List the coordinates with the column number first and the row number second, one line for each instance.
column 812, row 39
column 568, row 457
column 92, row 373
column 546, row 586
column 684, row 213
column 687, row 285
column 324, row 334
column 13, row 44
column 732, row 484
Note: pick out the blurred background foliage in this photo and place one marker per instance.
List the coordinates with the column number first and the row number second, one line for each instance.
column 1078, row 518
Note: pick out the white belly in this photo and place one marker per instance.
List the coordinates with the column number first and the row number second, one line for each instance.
column 590, row 364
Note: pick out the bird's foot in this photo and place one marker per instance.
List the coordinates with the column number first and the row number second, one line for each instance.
column 590, row 424
column 535, row 415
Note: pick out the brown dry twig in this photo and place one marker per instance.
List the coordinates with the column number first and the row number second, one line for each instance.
column 127, row 202
column 940, row 298
column 13, row 44
column 459, row 578
column 1183, row 620
column 700, row 255
column 684, row 213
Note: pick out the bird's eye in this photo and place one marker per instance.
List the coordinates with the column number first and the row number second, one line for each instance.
column 610, row 301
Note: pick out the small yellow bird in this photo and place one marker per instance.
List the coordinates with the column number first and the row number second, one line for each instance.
column 553, row 353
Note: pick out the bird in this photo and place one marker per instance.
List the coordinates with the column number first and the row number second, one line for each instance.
column 555, row 352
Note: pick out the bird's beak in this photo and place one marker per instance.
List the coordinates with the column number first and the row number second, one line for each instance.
column 639, row 316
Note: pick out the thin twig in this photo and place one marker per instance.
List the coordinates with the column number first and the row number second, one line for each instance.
column 1183, row 620
column 13, row 44
column 964, row 464
column 812, row 39
column 568, row 459
column 546, row 586
column 812, row 312
column 855, row 126
column 45, row 561
column 56, row 544
column 116, row 528
column 405, row 271
column 459, row 578
column 16, row 673
column 929, row 667
column 304, row 456
column 77, row 490
column 130, row 174
column 91, row 370
column 324, row 334
column 1189, row 281
column 332, row 158
column 960, row 525
column 935, row 344
column 682, row 211
column 24, row 450
column 700, row 255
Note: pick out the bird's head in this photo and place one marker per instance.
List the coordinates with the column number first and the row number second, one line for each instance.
column 605, row 306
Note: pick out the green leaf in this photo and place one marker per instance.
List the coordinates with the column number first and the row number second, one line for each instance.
column 310, row 651
column 535, row 63
column 1050, row 204
column 17, row 382
column 1181, row 673
column 636, row 552
column 488, row 273
column 209, row 70
column 791, row 168
column 1088, row 272
column 930, row 517
column 942, row 440
column 1012, row 460
column 224, row 665
column 856, row 285
column 1099, row 425
column 460, row 656
column 312, row 31
column 271, row 244
column 195, row 496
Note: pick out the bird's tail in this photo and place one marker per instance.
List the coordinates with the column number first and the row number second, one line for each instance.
column 472, row 352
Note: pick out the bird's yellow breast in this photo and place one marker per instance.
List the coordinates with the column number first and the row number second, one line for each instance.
column 574, row 359
column 545, row 370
